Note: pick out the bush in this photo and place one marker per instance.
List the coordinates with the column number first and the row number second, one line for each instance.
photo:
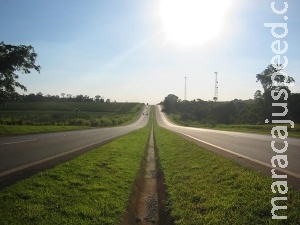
column 95, row 123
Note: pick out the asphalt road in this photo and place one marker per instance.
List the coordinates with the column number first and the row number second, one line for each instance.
column 252, row 150
column 20, row 152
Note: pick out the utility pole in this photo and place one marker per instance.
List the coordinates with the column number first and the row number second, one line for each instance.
column 216, row 88
column 185, row 88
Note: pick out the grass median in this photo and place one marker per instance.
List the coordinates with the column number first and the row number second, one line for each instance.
column 205, row 188
column 93, row 188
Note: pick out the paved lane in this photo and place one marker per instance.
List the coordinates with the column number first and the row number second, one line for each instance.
column 254, row 147
column 19, row 152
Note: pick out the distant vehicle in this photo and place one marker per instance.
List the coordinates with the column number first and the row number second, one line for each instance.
column 143, row 113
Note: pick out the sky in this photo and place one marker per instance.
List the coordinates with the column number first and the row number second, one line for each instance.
column 141, row 51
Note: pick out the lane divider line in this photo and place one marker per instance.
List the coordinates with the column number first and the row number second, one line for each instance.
column 243, row 156
column 7, row 172
column 16, row 142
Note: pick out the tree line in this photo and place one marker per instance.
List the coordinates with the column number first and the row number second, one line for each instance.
column 252, row 111
column 39, row 97
column 232, row 112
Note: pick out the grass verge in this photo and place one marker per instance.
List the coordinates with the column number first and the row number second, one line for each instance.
column 205, row 188
column 248, row 128
column 29, row 129
column 18, row 118
column 32, row 129
column 93, row 188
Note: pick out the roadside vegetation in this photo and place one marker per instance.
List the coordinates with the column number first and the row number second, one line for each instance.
column 27, row 129
column 93, row 188
column 250, row 128
column 20, row 118
column 205, row 188
column 242, row 115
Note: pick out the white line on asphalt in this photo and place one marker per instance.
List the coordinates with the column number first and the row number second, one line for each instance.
column 231, row 135
column 243, row 156
column 16, row 142
column 50, row 158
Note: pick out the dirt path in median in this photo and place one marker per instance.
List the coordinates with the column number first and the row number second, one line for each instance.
column 149, row 192
column 147, row 212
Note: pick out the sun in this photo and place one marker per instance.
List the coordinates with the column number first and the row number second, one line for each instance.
column 193, row 22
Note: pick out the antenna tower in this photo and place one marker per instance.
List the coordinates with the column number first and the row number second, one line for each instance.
column 216, row 88
column 185, row 88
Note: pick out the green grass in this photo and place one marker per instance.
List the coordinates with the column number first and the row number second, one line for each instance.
column 248, row 128
column 205, row 188
column 33, row 118
column 27, row 129
column 93, row 188
column 70, row 106
column 258, row 129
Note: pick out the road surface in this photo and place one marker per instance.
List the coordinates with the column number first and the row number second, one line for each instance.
column 20, row 152
column 252, row 150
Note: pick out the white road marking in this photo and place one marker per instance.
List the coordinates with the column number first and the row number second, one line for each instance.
column 243, row 156
column 231, row 135
column 16, row 142
column 4, row 173
column 165, row 120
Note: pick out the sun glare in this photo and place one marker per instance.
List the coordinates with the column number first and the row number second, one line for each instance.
column 193, row 22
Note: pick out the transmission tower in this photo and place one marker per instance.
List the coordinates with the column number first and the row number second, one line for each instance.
column 216, row 88
column 185, row 88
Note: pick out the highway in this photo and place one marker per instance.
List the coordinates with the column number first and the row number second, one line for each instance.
column 20, row 152
column 253, row 150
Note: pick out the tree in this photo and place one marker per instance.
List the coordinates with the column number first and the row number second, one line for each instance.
column 294, row 107
column 265, row 78
column 170, row 102
column 257, row 95
column 97, row 97
column 14, row 58
column 79, row 98
column 269, row 85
